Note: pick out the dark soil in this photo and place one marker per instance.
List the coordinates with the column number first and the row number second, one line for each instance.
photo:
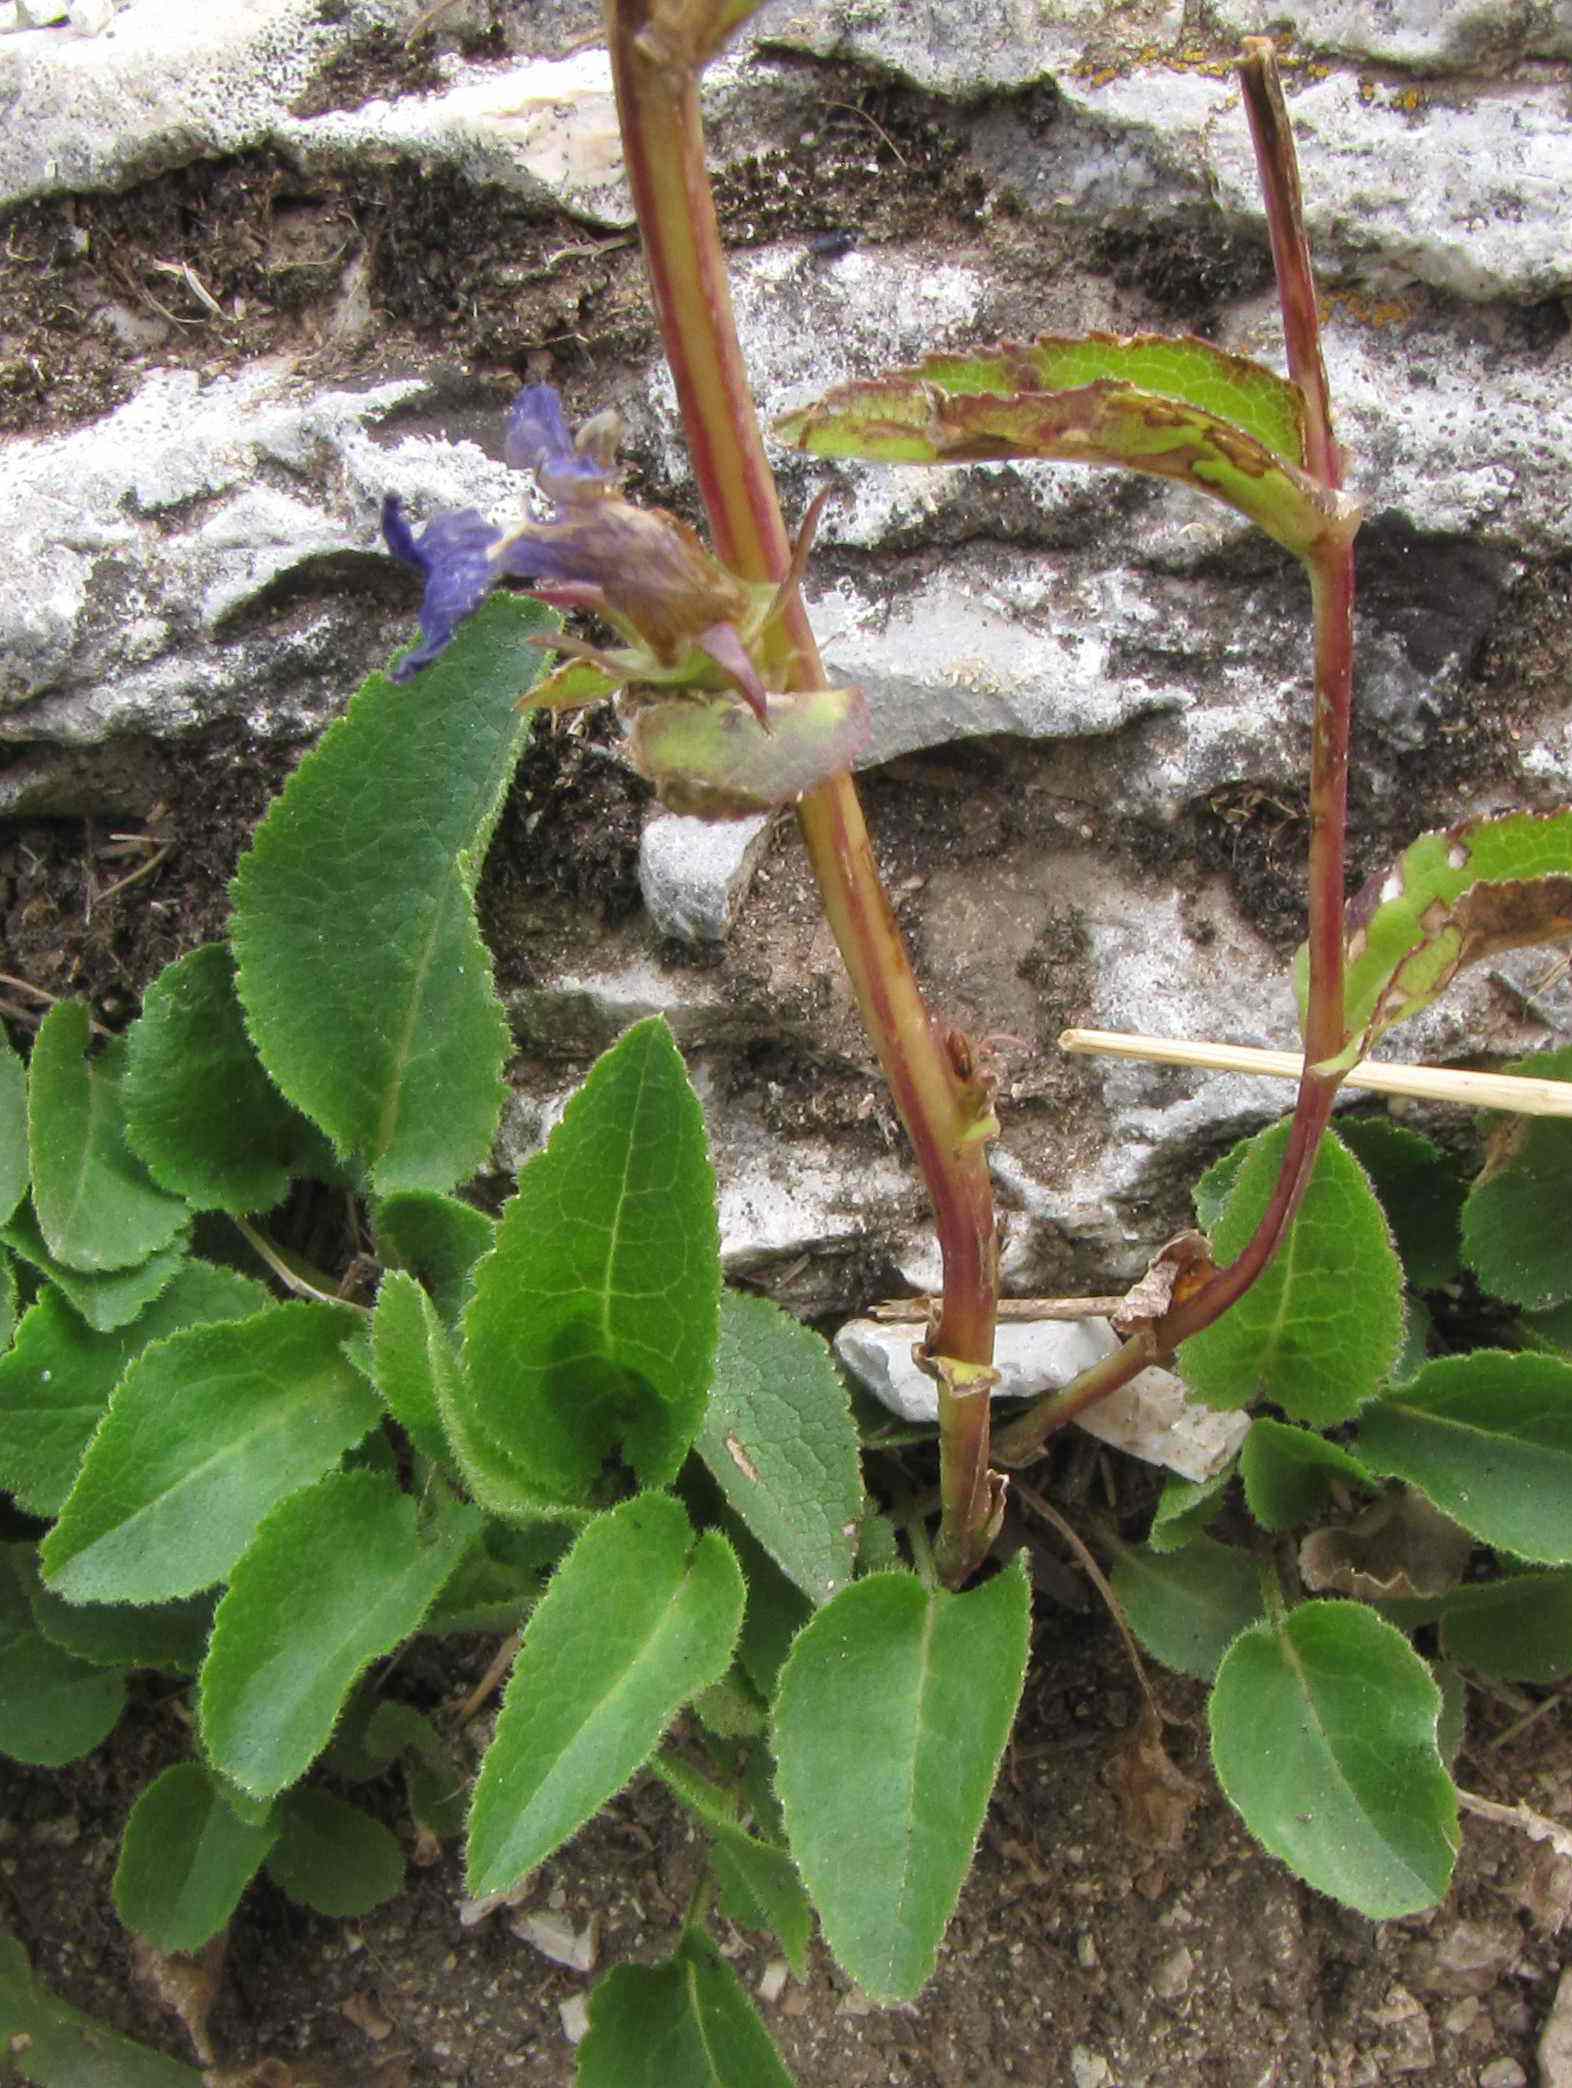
column 1080, row 1937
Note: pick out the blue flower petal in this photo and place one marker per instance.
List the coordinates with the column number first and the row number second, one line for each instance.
column 538, row 439
column 452, row 552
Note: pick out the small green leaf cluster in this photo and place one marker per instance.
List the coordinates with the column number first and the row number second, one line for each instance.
column 262, row 1476
column 1430, row 1491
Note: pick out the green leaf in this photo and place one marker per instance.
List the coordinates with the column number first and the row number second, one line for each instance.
column 1187, row 1608
column 56, row 2046
column 1517, row 1222
column 1549, row 1332
column 8, row 1301
column 1211, row 1193
column 1181, row 409
column 360, row 965
column 1488, row 1438
column 171, row 1636
column 185, row 1860
column 594, row 1321
column 1318, row 1333
column 332, row 1856
column 337, row 1575
column 1324, row 1739
column 96, row 1205
column 1420, row 1190
column 758, row 1881
column 56, row 1381
column 106, row 1301
column 780, row 1443
column 1289, row 1473
column 711, row 758
column 13, row 1129
column 56, row 1708
column 1184, row 1508
column 1452, row 898
column 489, row 1470
column 437, row 1789
column 401, row 1362
column 1519, row 1628
column 500, row 1579
column 201, row 1113
column 777, row 1611
column 685, row 2024
column 438, row 1240
column 891, row 1717
column 639, row 1617
column 204, row 1434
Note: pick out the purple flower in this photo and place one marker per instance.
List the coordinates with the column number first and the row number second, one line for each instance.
column 644, row 571
column 453, row 554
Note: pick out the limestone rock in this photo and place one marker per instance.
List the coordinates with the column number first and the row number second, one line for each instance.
column 1150, row 1417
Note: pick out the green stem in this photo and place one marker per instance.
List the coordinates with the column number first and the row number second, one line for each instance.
column 1331, row 572
column 663, row 150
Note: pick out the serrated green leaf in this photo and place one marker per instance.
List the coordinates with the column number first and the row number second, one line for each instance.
column 1318, row 1332
column 1145, row 404
column 53, row 1707
column 401, row 1363
column 1517, row 1221
column 639, row 1617
column 332, row 1856
column 777, row 1610
column 1488, row 1438
column 106, row 1301
column 1187, row 1608
column 500, row 1579
column 13, row 1129
column 758, row 1881
column 170, row 1636
column 1180, row 367
column 1420, row 1191
column 97, row 1207
column 1549, row 1332
column 891, row 1716
column 56, row 1381
column 489, row 1470
column 360, row 965
column 1519, row 1628
column 594, row 1319
column 780, row 1443
column 200, row 1112
column 336, row 1575
column 185, row 1860
column 438, row 1791
column 1289, row 1473
column 1452, row 898
column 1211, row 1193
column 1324, row 1739
column 438, row 1241
column 8, row 1301
column 1184, row 1508
column 204, row 1434
column 685, row 2024
column 56, row 2046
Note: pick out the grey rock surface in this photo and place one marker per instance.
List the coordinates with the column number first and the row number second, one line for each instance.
column 1151, row 1417
column 1088, row 692
column 695, row 873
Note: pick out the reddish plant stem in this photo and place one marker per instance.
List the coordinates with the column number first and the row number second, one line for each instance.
column 1331, row 571
column 944, row 1112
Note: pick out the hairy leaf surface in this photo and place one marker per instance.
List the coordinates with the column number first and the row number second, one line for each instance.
column 360, row 965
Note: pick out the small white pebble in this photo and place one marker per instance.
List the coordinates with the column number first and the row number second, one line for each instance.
column 575, row 2018
column 772, row 1980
